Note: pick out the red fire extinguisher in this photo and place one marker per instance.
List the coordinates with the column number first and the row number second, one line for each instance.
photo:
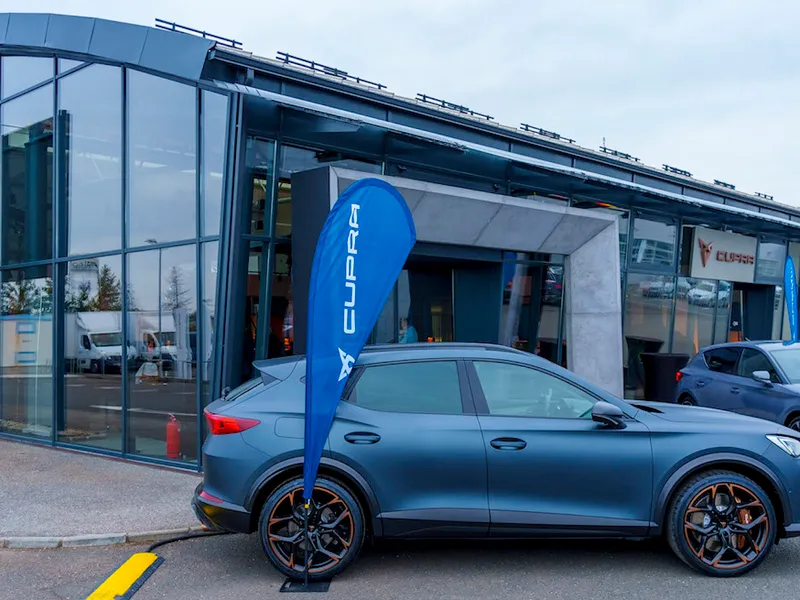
column 173, row 438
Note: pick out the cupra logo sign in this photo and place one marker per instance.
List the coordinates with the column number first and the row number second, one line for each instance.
column 723, row 255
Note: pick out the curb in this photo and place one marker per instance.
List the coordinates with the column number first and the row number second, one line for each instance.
column 97, row 539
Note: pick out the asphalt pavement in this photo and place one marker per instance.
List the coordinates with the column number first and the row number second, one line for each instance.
column 234, row 567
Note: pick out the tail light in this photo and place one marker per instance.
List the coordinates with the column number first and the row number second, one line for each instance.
column 678, row 376
column 222, row 425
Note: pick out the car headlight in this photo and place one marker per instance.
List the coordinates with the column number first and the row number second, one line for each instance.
column 789, row 445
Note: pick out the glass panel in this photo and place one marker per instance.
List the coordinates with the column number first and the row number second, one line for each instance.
column 531, row 307
column 163, row 318
column 755, row 360
column 694, row 315
column 722, row 326
column 723, row 360
column 294, row 160
column 26, row 343
column 208, row 320
column 90, row 110
column 64, row 64
column 515, row 391
column 648, row 308
column 281, row 325
column 384, row 330
column 653, row 243
column 424, row 387
column 771, row 260
column 161, row 159
column 788, row 360
column 253, row 294
column 777, row 313
column 215, row 125
column 93, row 346
column 27, row 177
column 261, row 169
column 21, row 72
column 425, row 304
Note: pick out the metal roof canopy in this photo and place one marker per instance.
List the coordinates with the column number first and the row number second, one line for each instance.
column 581, row 183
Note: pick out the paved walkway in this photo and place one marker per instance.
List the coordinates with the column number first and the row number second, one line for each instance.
column 46, row 492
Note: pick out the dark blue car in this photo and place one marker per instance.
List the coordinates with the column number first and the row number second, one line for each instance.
column 758, row 379
column 473, row 441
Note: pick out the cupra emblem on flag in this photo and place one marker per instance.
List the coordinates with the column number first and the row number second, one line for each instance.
column 705, row 251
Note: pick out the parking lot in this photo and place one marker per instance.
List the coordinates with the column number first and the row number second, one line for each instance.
column 234, row 567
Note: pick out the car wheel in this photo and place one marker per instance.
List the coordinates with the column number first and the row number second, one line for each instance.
column 335, row 532
column 794, row 423
column 721, row 523
column 687, row 400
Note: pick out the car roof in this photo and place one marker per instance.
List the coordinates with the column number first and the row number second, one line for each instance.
column 767, row 345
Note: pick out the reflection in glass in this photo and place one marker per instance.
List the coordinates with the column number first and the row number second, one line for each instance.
column 771, row 260
column 648, row 309
column 215, row 124
column 65, row 64
column 295, row 160
column 93, row 350
column 653, row 243
column 254, row 286
column 261, row 169
column 162, row 154
column 280, row 341
column 723, row 319
column 695, row 306
column 208, row 320
column 90, row 111
column 21, row 72
column 777, row 313
column 26, row 340
column 531, row 308
column 162, row 306
column 27, row 177
column 383, row 332
column 425, row 304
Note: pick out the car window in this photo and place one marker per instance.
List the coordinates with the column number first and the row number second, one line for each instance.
column 723, row 360
column 755, row 360
column 421, row 387
column 519, row 391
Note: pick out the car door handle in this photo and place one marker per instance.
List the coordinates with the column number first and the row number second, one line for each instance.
column 508, row 444
column 701, row 384
column 735, row 390
column 362, row 437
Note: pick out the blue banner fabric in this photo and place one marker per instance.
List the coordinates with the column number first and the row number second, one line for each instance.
column 790, row 289
column 360, row 254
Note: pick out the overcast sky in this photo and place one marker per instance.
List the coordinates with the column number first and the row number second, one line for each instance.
column 710, row 86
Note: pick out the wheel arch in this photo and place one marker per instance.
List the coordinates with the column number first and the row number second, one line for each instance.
column 793, row 413
column 282, row 472
column 737, row 463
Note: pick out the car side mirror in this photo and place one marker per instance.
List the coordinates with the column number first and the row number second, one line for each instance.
column 762, row 377
column 608, row 414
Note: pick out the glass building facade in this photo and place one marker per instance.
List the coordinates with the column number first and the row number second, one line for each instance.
column 146, row 232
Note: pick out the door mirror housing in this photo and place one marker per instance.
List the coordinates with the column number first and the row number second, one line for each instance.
column 609, row 415
column 762, row 377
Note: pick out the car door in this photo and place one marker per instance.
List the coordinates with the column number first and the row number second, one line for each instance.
column 552, row 470
column 765, row 401
column 715, row 389
column 410, row 429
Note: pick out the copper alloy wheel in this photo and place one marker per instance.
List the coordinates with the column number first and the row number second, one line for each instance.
column 726, row 526
column 331, row 531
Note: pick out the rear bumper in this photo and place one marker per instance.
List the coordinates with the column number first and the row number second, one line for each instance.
column 220, row 516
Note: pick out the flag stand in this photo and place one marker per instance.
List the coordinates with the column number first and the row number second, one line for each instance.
column 292, row 585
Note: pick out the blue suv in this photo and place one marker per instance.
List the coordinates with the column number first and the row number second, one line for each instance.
column 758, row 379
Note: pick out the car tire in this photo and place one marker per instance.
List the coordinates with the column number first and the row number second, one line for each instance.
column 703, row 524
column 794, row 423
column 687, row 400
column 280, row 529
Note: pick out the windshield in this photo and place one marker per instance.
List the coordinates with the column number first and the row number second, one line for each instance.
column 167, row 338
column 788, row 359
column 103, row 340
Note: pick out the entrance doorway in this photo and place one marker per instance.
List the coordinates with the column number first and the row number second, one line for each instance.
column 752, row 312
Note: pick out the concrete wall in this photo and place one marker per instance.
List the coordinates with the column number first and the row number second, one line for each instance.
column 450, row 215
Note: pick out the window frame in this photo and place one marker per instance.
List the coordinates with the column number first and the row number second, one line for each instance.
column 766, row 357
column 482, row 406
column 735, row 372
column 467, row 403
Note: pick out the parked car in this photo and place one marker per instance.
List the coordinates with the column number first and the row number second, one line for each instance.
column 482, row 441
column 553, row 285
column 759, row 379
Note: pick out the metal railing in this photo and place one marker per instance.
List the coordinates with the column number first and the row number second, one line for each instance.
column 313, row 65
column 677, row 171
column 452, row 106
column 171, row 26
column 618, row 154
column 544, row 132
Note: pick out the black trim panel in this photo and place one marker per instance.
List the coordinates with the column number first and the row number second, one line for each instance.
column 436, row 522
column 522, row 523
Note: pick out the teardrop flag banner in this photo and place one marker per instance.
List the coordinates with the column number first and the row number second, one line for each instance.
column 360, row 253
column 790, row 289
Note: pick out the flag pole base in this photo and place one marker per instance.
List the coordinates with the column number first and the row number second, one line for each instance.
column 293, row 586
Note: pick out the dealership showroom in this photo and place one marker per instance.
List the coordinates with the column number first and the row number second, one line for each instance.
column 156, row 186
